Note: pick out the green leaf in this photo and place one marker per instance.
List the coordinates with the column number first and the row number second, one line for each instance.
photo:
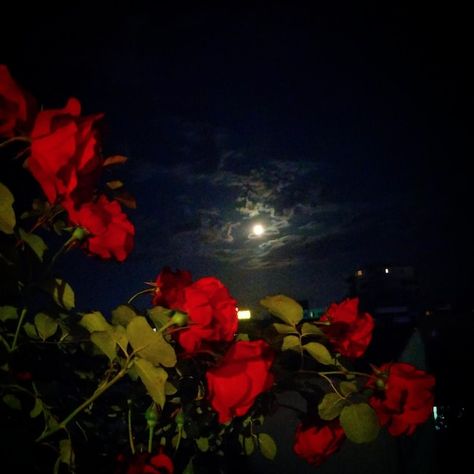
column 189, row 469
column 123, row 314
column 119, row 335
column 284, row 328
column 310, row 329
column 30, row 330
column 331, row 406
column 7, row 214
column 35, row 242
column 249, row 445
column 66, row 454
column 159, row 315
column 62, row 293
column 202, row 444
column 103, row 340
column 242, row 337
column 11, row 401
column 59, row 226
column 37, row 409
column 267, row 446
column 150, row 345
column 170, row 389
column 290, row 342
column 50, row 421
column 132, row 373
column 114, row 184
column 94, row 322
column 283, row 307
column 319, row 352
column 360, row 423
column 8, row 312
column 346, row 388
column 45, row 325
column 154, row 379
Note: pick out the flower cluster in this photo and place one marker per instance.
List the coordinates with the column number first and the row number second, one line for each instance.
column 66, row 160
column 189, row 383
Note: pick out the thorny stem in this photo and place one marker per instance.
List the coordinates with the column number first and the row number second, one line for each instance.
column 166, row 326
column 150, row 438
column 130, row 433
column 41, row 220
column 325, row 377
column 301, row 352
column 178, row 441
column 142, row 292
column 336, row 372
column 37, row 224
column 21, row 389
column 5, row 343
column 63, row 249
column 100, row 390
column 18, row 327
column 15, row 139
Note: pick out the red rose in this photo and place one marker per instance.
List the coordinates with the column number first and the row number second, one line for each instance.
column 406, row 399
column 24, row 376
column 350, row 332
column 159, row 463
column 65, row 157
column 242, row 375
column 145, row 463
column 109, row 232
column 315, row 444
column 16, row 107
column 169, row 288
column 212, row 314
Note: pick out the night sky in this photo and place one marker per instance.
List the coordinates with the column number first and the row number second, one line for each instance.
column 346, row 131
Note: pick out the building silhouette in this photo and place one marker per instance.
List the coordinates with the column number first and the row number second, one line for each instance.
column 391, row 293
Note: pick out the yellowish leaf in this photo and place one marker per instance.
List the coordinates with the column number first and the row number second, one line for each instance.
column 284, row 308
column 154, row 379
column 7, row 214
column 148, row 344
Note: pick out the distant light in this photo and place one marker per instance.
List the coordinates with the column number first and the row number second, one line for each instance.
column 387, row 270
column 244, row 314
column 258, row 229
column 435, row 412
column 359, row 273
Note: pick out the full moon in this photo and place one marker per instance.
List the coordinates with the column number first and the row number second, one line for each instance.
column 258, row 229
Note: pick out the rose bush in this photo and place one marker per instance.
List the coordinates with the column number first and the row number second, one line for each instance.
column 169, row 388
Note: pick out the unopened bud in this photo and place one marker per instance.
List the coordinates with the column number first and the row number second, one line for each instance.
column 380, row 384
column 180, row 419
column 180, row 319
column 79, row 234
column 151, row 416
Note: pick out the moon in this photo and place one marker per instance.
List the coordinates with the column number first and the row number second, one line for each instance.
column 258, row 230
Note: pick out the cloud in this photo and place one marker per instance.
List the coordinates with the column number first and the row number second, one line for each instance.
column 214, row 194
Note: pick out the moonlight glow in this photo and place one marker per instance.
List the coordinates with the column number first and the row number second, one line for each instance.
column 258, row 229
